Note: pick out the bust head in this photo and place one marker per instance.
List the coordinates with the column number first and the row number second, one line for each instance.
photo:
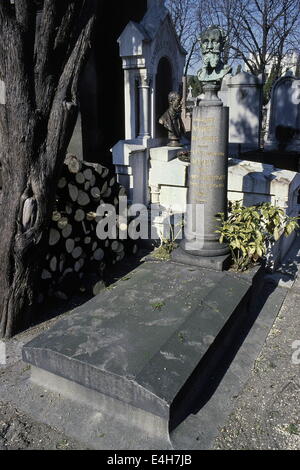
column 171, row 119
column 174, row 99
column 212, row 43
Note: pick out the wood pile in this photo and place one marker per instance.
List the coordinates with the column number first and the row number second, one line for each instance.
column 74, row 248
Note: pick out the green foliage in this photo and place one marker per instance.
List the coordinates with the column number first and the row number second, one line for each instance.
column 168, row 244
column 195, row 84
column 158, row 305
column 292, row 428
column 251, row 232
column 164, row 251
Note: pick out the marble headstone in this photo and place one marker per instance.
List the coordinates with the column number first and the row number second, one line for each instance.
column 245, row 103
column 285, row 113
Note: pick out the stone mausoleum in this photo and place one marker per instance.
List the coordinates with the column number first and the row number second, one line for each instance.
column 153, row 62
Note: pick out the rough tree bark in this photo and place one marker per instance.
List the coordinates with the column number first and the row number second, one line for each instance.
column 40, row 68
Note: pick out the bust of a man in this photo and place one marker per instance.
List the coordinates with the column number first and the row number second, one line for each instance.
column 212, row 43
column 171, row 120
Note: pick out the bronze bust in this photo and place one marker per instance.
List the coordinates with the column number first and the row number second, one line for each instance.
column 212, row 43
column 172, row 121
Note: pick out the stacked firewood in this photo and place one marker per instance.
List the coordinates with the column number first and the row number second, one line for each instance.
column 74, row 248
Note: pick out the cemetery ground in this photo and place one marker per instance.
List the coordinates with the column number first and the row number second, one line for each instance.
column 255, row 411
column 174, row 355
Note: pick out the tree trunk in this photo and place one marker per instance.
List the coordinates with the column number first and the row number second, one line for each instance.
column 41, row 78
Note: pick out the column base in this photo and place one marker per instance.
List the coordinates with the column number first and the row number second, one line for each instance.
column 205, row 248
column 217, row 263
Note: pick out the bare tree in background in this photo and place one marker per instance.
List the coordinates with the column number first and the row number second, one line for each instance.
column 259, row 32
column 40, row 68
column 264, row 31
column 187, row 21
column 192, row 17
column 224, row 13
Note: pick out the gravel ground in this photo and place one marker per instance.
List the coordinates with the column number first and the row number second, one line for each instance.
column 19, row 432
column 267, row 412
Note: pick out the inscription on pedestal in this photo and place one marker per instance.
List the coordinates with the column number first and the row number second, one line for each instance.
column 207, row 178
column 207, row 192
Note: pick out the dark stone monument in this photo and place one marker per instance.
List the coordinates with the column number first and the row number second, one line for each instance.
column 140, row 358
column 207, row 193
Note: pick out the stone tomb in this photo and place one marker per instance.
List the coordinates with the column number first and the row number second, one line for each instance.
column 137, row 350
column 284, row 113
column 245, row 112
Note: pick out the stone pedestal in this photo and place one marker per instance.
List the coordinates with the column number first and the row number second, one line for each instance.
column 216, row 263
column 164, row 154
column 207, row 193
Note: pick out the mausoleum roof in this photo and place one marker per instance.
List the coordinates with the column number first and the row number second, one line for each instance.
column 153, row 20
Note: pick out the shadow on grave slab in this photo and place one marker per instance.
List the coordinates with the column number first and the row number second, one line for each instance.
column 152, row 349
column 209, row 373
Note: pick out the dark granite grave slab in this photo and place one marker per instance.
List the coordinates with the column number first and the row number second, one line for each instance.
column 138, row 343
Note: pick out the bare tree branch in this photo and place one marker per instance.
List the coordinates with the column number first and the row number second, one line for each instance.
column 259, row 32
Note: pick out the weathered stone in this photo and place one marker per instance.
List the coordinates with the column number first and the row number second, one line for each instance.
column 245, row 110
column 212, row 43
column 164, row 154
column 207, row 180
column 217, row 263
column 173, row 173
column 284, row 120
column 76, row 146
column 138, row 351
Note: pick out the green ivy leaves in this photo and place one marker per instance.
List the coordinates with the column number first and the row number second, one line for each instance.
column 251, row 231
